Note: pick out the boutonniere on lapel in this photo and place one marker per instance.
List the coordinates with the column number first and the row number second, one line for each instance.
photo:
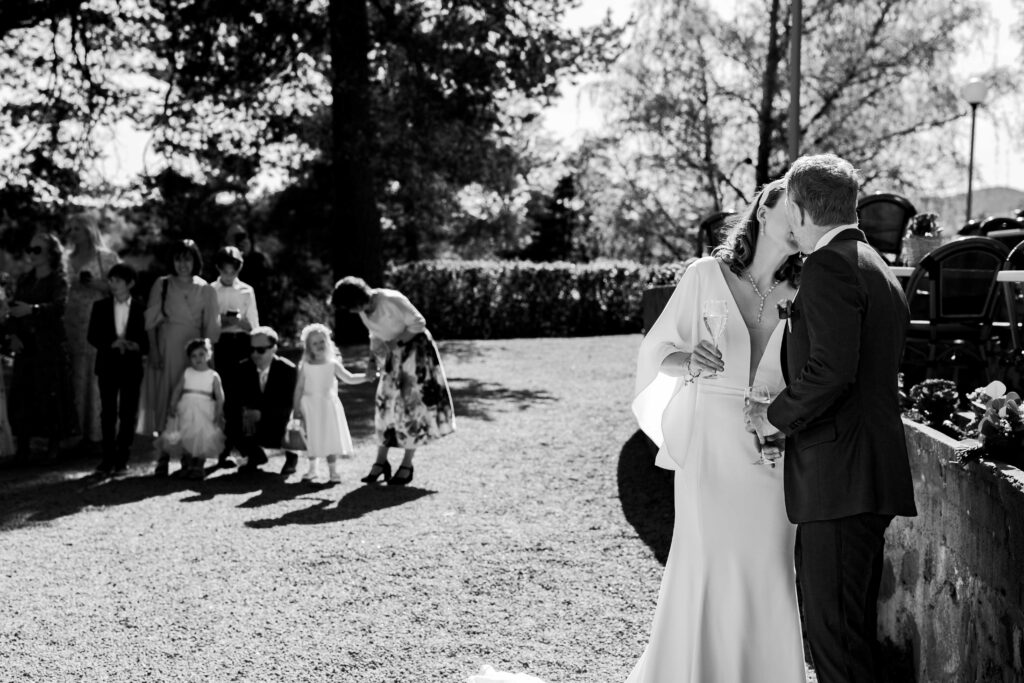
column 787, row 312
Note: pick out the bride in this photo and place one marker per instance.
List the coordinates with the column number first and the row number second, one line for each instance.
column 727, row 610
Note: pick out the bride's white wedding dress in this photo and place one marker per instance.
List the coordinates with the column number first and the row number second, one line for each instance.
column 727, row 610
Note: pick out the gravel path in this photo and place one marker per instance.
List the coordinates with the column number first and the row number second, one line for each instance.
column 511, row 547
column 532, row 540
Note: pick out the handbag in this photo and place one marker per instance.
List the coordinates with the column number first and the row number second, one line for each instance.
column 294, row 436
column 169, row 440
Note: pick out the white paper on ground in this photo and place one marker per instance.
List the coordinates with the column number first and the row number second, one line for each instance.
column 489, row 675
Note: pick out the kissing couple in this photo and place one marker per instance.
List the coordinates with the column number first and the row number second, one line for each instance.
column 769, row 384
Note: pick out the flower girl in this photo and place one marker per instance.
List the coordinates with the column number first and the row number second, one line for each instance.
column 316, row 400
column 199, row 398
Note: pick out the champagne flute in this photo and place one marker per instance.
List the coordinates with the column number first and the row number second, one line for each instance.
column 761, row 395
column 716, row 313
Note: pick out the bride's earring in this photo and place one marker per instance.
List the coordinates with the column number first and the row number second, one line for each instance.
column 762, row 230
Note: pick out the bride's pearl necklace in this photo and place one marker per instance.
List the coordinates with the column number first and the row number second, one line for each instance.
column 762, row 297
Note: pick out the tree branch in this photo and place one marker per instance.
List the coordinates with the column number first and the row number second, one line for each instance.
column 28, row 13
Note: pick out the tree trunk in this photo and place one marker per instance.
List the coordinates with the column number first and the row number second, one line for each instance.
column 354, row 239
column 769, row 88
column 711, row 168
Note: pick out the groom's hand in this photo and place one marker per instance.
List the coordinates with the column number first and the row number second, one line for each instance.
column 755, row 418
column 773, row 447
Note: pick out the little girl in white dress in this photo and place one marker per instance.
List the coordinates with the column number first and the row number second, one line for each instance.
column 316, row 400
column 199, row 398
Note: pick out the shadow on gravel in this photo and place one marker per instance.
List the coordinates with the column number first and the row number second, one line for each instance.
column 59, row 494
column 358, row 402
column 461, row 349
column 472, row 398
column 645, row 492
column 354, row 504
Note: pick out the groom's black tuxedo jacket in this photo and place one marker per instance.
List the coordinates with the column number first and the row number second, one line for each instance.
column 846, row 453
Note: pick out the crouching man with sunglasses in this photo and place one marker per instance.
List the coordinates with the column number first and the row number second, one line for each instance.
column 261, row 404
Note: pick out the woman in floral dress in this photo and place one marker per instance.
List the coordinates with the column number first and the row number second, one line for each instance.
column 414, row 403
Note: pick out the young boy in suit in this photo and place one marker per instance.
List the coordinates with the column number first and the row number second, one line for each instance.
column 117, row 330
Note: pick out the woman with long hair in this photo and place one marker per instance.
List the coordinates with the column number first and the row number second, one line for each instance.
column 727, row 609
column 89, row 261
column 42, row 402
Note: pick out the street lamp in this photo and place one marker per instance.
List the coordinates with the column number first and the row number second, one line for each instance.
column 974, row 93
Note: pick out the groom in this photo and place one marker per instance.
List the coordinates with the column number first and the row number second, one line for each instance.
column 846, row 471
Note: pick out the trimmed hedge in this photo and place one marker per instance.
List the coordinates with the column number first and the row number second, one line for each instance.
column 502, row 299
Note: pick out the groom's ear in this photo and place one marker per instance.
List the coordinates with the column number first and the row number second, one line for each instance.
column 796, row 211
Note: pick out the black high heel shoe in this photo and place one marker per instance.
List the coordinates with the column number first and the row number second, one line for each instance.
column 376, row 471
column 398, row 479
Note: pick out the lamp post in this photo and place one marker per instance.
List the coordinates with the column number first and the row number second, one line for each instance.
column 974, row 93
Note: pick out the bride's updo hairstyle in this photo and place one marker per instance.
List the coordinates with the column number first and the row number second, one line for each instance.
column 740, row 243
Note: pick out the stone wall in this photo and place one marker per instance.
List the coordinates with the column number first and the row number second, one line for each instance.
column 952, row 591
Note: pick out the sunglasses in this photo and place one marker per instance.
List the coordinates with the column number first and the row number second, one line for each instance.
column 260, row 349
column 241, row 237
column 34, row 250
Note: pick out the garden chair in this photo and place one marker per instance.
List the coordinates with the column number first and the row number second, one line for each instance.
column 1013, row 295
column 1009, row 231
column 1000, row 223
column 953, row 296
column 971, row 227
column 883, row 217
column 709, row 232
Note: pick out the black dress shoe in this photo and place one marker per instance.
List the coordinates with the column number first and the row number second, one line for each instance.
column 162, row 466
column 376, row 471
column 398, row 479
column 290, row 461
column 104, row 470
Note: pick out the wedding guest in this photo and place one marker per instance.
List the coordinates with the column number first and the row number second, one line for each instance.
column 6, row 435
column 257, row 264
column 414, row 403
column 88, row 264
column 198, row 420
column 259, row 410
column 317, row 404
column 181, row 307
column 117, row 330
column 42, row 402
column 236, row 302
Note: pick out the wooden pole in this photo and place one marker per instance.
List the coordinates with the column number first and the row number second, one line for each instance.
column 796, row 11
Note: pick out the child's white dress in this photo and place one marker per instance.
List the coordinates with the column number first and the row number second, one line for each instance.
column 197, row 409
column 326, row 428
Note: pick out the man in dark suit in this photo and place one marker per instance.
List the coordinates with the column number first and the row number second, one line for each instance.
column 261, row 401
column 117, row 329
column 846, row 471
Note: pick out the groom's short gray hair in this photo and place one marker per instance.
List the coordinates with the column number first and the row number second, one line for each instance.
column 825, row 187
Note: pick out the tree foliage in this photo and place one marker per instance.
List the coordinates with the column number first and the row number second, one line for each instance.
column 700, row 97
column 236, row 92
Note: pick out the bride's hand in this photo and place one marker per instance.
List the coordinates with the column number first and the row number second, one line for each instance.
column 706, row 358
